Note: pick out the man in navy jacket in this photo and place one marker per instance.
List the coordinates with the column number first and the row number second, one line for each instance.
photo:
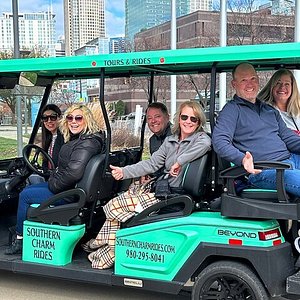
column 249, row 130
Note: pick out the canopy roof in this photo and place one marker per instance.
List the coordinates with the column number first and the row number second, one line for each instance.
column 180, row 61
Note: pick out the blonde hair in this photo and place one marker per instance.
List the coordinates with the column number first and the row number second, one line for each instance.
column 197, row 111
column 266, row 94
column 96, row 110
column 90, row 127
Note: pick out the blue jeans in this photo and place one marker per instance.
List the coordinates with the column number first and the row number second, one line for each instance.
column 36, row 193
column 267, row 178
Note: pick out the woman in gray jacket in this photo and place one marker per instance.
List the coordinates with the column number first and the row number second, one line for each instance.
column 187, row 143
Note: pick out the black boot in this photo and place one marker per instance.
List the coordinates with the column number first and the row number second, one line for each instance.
column 15, row 247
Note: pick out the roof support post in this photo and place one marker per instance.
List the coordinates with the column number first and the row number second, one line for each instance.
column 173, row 46
column 223, row 43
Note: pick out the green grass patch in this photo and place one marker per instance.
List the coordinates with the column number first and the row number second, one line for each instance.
column 8, row 148
column 145, row 155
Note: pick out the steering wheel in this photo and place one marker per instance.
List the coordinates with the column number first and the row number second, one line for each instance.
column 33, row 162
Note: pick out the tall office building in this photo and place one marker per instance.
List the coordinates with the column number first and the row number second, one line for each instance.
column 84, row 21
column 144, row 14
column 36, row 32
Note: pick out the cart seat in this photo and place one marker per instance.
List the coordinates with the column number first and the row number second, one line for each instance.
column 80, row 201
column 193, row 183
column 258, row 203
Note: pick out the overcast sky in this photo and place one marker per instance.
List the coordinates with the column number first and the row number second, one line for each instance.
column 114, row 13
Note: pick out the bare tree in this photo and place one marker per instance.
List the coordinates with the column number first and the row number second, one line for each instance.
column 249, row 25
column 62, row 94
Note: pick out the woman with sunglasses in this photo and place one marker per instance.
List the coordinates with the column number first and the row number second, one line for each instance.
column 187, row 143
column 52, row 139
column 83, row 139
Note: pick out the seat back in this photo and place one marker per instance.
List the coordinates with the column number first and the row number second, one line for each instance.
column 87, row 193
column 91, row 180
column 195, row 176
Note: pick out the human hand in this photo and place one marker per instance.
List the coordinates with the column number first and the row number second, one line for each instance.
column 116, row 172
column 248, row 165
column 145, row 179
column 175, row 169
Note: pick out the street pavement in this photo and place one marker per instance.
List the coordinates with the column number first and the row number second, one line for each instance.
column 24, row 287
column 11, row 132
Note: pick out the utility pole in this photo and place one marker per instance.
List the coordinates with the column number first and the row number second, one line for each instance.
column 17, row 55
column 173, row 47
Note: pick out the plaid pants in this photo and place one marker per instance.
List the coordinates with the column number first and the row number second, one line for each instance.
column 117, row 210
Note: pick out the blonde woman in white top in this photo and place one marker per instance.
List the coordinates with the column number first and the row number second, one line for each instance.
column 282, row 92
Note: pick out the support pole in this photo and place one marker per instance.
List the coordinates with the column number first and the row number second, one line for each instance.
column 17, row 55
column 223, row 43
column 173, row 47
column 297, row 35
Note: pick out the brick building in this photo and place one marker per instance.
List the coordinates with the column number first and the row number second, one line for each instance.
column 200, row 29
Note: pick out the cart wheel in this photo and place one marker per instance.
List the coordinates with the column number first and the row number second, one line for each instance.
column 228, row 280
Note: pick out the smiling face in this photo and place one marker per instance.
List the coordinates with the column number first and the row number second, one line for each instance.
column 157, row 121
column 282, row 91
column 76, row 122
column 188, row 122
column 50, row 120
column 245, row 82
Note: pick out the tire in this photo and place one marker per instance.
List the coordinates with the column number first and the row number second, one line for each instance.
column 228, row 280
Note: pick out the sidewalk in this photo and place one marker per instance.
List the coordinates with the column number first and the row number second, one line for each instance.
column 11, row 132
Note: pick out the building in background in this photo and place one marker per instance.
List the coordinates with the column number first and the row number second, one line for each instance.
column 117, row 45
column 200, row 5
column 96, row 46
column 283, row 7
column 84, row 20
column 144, row 14
column 36, row 32
column 60, row 47
column 197, row 30
column 201, row 29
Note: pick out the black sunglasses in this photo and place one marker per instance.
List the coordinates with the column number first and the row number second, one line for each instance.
column 185, row 117
column 77, row 118
column 45, row 118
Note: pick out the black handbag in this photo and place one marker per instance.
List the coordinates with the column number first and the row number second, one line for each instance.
column 162, row 188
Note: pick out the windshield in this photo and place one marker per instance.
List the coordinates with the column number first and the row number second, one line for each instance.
column 30, row 99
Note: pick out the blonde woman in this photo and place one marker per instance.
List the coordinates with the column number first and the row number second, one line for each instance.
column 282, row 92
column 187, row 143
column 82, row 141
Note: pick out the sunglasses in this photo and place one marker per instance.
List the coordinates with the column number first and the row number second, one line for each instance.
column 77, row 118
column 46, row 118
column 185, row 117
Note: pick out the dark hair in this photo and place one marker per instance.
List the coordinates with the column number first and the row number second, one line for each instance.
column 46, row 134
column 160, row 106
